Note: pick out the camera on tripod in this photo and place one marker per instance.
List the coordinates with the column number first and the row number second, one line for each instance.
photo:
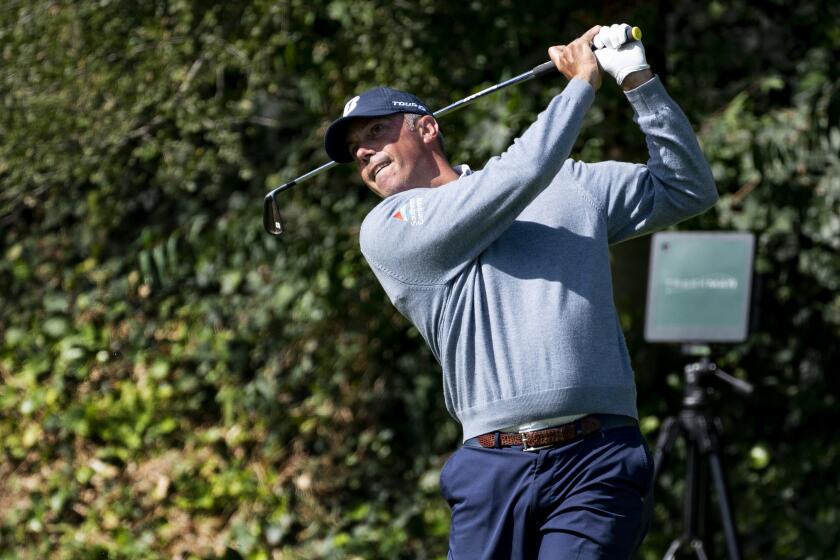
column 699, row 292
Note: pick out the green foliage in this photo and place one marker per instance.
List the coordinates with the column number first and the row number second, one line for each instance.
column 175, row 383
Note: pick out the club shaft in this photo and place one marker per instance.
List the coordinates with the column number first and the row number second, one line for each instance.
column 524, row 77
column 304, row 177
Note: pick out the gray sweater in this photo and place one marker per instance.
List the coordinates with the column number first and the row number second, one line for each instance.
column 505, row 271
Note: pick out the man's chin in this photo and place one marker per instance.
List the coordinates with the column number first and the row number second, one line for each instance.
column 387, row 189
column 379, row 191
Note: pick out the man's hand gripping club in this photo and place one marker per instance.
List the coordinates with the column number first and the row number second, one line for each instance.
column 576, row 60
column 621, row 58
column 618, row 55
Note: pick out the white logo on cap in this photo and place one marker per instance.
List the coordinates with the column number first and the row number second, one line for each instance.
column 351, row 105
column 409, row 104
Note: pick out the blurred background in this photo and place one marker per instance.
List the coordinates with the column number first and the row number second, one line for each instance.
column 175, row 383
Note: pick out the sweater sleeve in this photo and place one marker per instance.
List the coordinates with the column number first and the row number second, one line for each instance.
column 427, row 235
column 675, row 184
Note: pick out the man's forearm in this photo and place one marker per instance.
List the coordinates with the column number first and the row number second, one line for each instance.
column 677, row 182
column 634, row 80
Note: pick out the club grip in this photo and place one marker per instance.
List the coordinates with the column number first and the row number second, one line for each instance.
column 630, row 34
column 543, row 69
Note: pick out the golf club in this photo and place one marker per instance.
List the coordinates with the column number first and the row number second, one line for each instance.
column 272, row 221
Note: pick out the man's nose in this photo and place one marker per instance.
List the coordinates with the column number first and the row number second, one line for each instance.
column 363, row 154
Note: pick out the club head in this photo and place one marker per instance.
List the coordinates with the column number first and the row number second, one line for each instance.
column 272, row 222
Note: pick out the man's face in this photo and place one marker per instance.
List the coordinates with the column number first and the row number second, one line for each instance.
column 387, row 153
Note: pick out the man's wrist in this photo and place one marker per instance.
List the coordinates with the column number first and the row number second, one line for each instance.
column 591, row 76
column 635, row 79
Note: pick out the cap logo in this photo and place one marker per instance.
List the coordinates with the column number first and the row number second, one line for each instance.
column 409, row 104
column 350, row 106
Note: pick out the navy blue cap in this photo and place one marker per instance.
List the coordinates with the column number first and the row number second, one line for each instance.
column 376, row 102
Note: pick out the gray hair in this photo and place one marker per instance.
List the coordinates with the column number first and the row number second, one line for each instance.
column 411, row 122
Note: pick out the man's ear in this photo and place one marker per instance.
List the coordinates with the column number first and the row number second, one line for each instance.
column 428, row 128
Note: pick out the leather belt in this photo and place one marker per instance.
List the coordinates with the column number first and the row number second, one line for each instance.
column 547, row 437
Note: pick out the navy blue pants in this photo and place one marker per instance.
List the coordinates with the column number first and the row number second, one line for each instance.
column 589, row 498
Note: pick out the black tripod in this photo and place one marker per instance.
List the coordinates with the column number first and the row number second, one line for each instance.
column 702, row 432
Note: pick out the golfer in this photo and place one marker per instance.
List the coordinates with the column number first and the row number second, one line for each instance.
column 505, row 272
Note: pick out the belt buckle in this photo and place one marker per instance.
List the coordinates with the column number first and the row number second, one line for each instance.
column 526, row 447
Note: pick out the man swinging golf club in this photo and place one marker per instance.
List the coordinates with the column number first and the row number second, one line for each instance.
column 505, row 272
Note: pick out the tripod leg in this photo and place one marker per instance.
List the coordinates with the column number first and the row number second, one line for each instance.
column 673, row 549
column 664, row 443
column 695, row 545
column 695, row 494
column 725, row 511
column 699, row 551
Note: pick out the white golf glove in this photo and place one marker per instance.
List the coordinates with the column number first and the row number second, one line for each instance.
column 616, row 55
